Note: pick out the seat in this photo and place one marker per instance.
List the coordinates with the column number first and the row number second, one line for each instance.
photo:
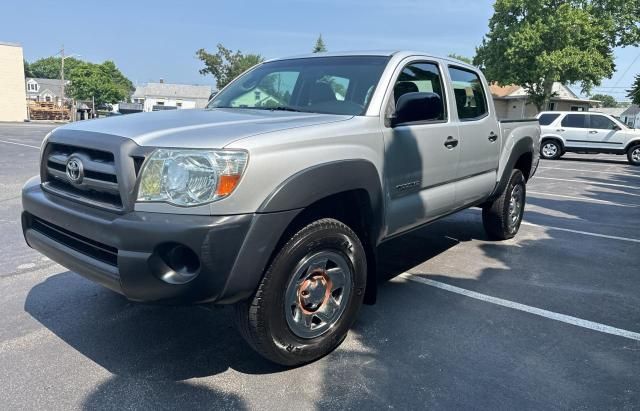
column 404, row 87
column 321, row 92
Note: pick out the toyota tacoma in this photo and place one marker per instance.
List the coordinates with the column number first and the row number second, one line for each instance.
column 276, row 196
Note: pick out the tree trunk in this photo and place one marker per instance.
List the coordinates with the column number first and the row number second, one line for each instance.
column 547, row 91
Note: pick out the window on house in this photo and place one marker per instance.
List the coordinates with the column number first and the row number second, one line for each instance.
column 577, row 108
column 179, row 104
column 159, row 103
column 552, row 106
column 471, row 99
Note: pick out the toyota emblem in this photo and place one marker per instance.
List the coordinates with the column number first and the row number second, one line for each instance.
column 75, row 170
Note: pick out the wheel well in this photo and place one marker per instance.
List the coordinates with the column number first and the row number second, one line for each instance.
column 524, row 163
column 352, row 208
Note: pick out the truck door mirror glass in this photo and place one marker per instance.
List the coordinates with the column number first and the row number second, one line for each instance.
column 418, row 106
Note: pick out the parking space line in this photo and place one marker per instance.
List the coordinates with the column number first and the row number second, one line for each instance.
column 590, row 171
column 588, row 182
column 19, row 144
column 585, row 199
column 612, row 237
column 579, row 322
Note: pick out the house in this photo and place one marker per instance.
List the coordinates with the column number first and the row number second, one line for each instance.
column 512, row 102
column 631, row 116
column 167, row 96
column 45, row 90
column 612, row 111
column 13, row 105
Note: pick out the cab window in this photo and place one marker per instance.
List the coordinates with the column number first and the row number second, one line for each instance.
column 423, row 78
column 471, row 99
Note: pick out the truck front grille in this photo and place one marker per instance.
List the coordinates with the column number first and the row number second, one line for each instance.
column 98, row 184
column 86, row 246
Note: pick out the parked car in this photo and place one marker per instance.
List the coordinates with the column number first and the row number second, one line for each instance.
column 587, row 132
column 280, row 210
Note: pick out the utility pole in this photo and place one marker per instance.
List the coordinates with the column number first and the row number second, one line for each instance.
column 62, row 77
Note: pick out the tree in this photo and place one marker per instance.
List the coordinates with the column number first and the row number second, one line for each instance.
column 102, row 82
column 27, row 69
column 50, row 67
column 607, row 100
column 535, row 43
column 461, row 58
column 634, row 92
column 320, row 47
column 225, row 65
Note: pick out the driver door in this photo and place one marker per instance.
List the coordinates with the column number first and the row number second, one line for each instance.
column 421, row 157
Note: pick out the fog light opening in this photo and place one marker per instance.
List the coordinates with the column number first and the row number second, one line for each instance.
column 180, row 264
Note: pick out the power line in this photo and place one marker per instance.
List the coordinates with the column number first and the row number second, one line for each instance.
column 625, row 72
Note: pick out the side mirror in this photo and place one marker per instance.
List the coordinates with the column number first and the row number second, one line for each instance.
column 417, row 106
column 617, row 128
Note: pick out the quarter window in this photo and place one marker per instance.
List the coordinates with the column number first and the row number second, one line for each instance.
column 546, row 119
column 575, row 121
column 422, row 78
column 471, row 100
column 601, row 123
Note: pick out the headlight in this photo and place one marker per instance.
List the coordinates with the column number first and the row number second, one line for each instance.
column 190, row 177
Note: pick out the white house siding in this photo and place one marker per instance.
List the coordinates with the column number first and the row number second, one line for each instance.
column 13, row 99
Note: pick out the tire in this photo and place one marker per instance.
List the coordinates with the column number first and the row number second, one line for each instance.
column 502, row 217
column 633, row 155
column 551, row 150
column 275, row 321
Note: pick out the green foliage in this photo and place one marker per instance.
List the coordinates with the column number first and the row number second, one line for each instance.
column 634, row 92
column 27, row 69
column 461, row 58
column 104, row 82
column 534, row 43
column 320, row 47
column 50, row 67
column 607, row 100
column 225, row 65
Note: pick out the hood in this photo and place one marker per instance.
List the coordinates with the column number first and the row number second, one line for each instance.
column 200, row 128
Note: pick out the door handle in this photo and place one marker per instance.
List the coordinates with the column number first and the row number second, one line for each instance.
column 493, row 137
column 450, row 143
column 593, row 132
column 560, row 129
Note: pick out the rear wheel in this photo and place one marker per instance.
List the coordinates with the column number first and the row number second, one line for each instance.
column 550, row 150
column 502, row 217
column 309, row 296
column 633, row 154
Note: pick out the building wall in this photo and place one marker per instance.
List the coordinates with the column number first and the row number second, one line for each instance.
column 13, row 99
column 515, row 109
column 152, row 101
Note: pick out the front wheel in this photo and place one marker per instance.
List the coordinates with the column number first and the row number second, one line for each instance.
column 634, row 155
column 502, row 217
column 550, row 150
column 309, row 296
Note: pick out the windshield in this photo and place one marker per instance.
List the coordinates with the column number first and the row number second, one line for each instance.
column 329, row 85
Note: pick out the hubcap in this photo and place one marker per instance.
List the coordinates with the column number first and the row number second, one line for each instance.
column 635, row 155
column 515, row 207
column 549, row 150
column 318, row 293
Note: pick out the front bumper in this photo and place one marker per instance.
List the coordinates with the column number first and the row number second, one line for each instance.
column 124, row 252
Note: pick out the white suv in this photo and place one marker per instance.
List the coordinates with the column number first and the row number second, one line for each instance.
column 587, row 132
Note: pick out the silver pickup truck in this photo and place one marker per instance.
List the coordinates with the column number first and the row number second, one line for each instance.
column 276, row 197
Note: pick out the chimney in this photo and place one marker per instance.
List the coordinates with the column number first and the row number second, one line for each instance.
column 161, row 81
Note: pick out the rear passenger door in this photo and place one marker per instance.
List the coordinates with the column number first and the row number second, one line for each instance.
column 574, row 130
column 479, row 137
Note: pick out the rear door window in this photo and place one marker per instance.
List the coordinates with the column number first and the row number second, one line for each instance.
column 575, row 121
column 546, row 119
column 469, row 93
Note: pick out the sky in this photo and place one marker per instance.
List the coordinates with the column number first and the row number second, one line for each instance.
column 149, row 40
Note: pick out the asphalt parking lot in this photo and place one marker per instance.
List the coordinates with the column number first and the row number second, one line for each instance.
column 548, row 320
